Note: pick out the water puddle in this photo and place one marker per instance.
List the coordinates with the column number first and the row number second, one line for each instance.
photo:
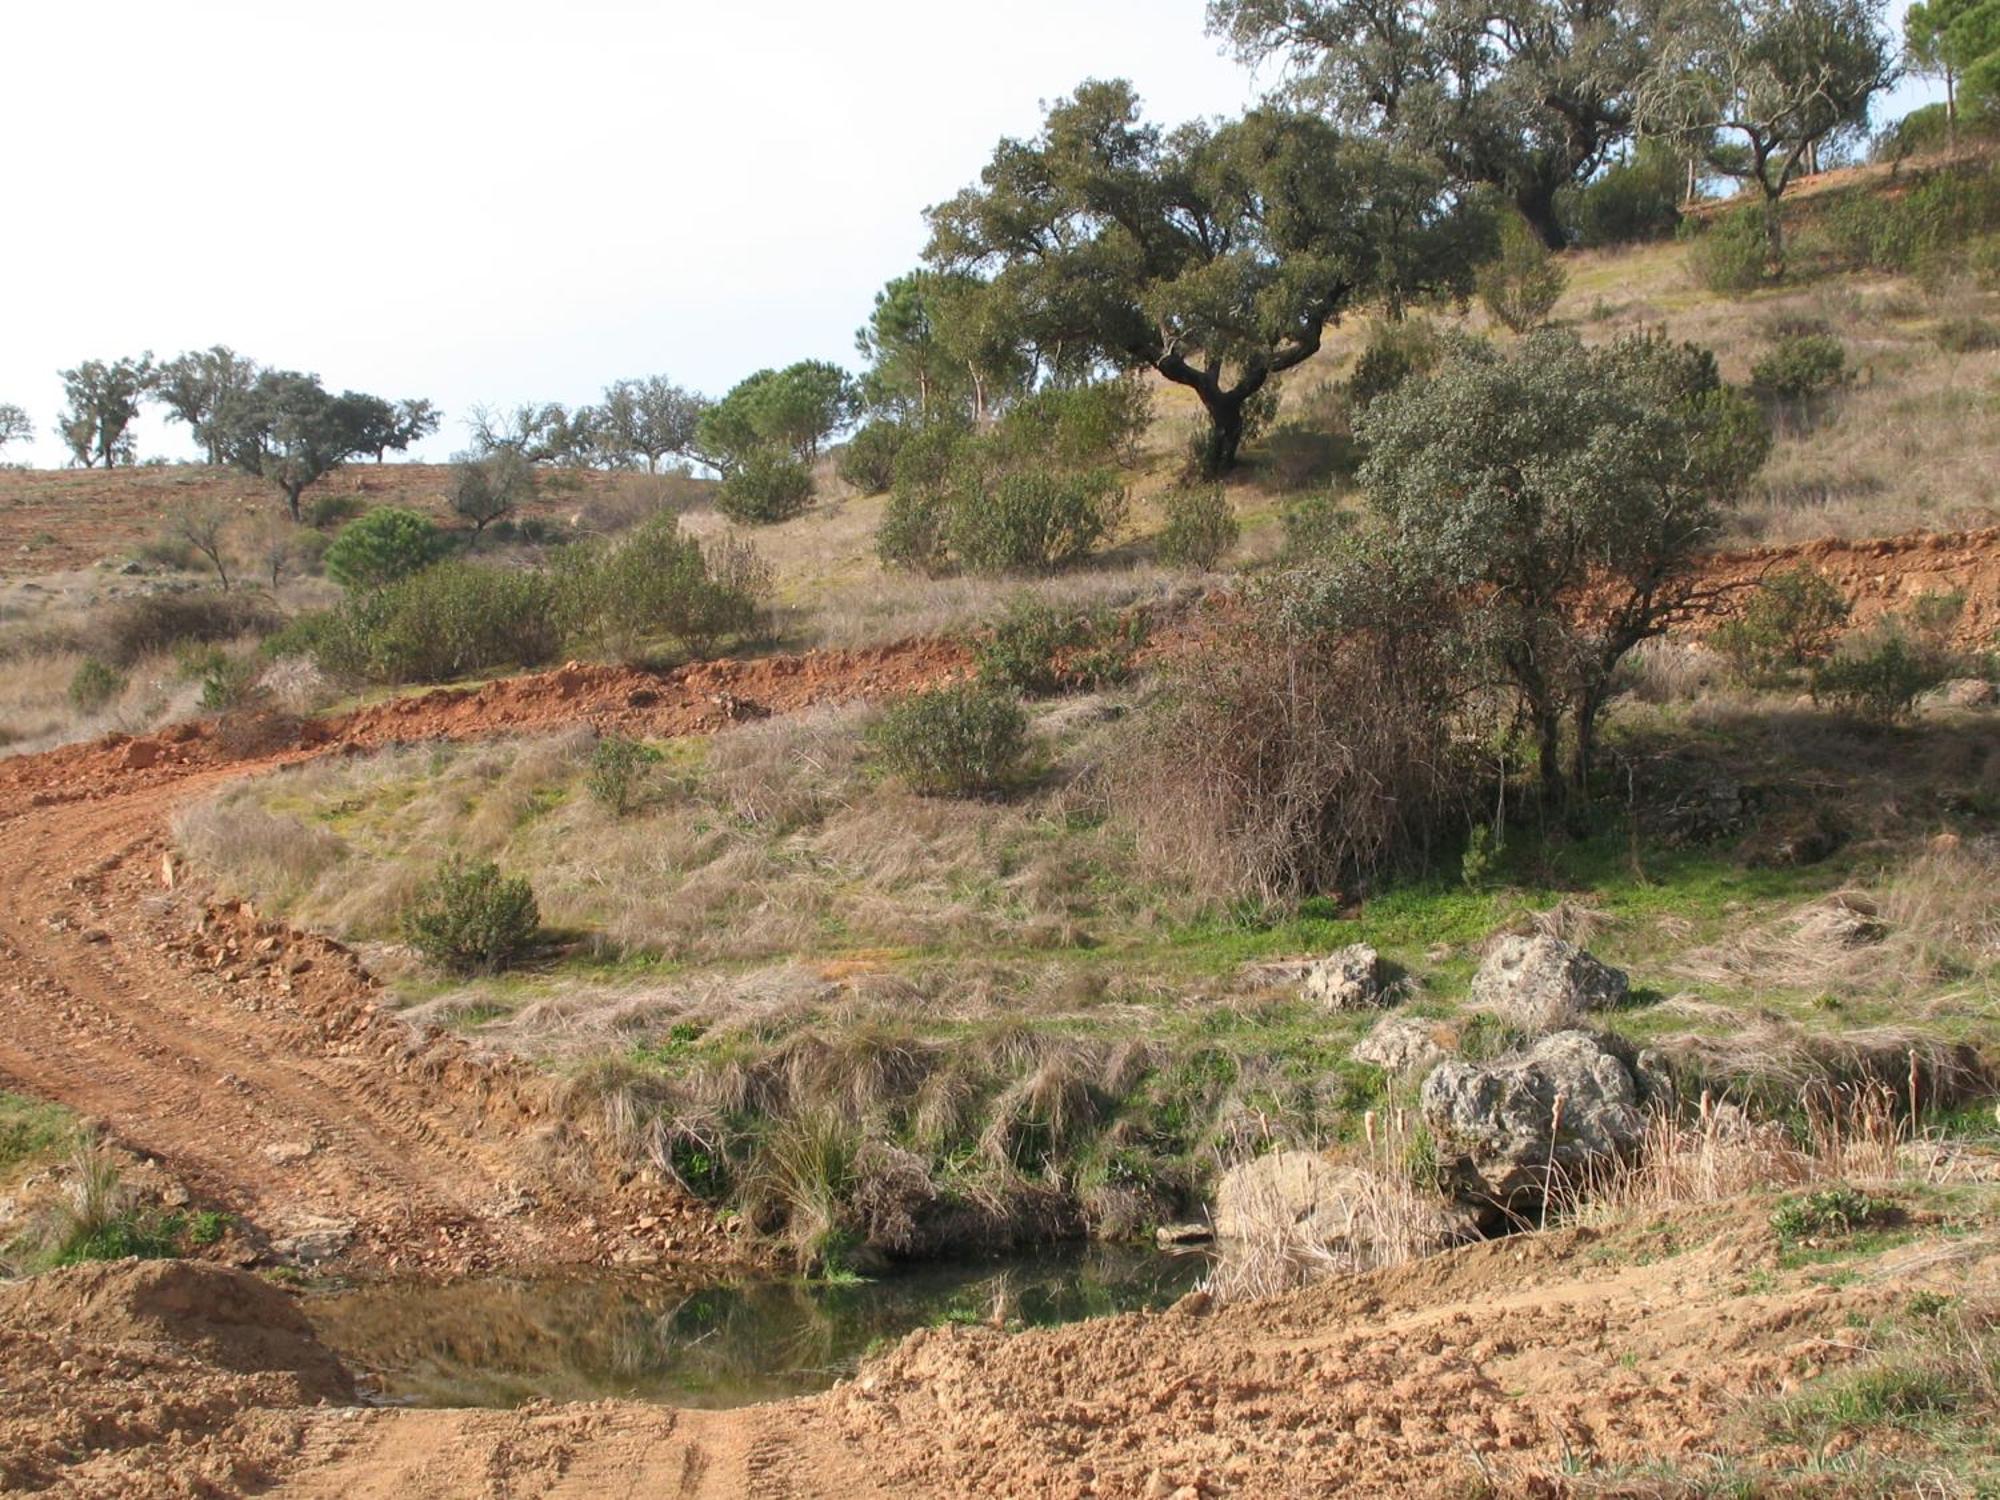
column 502, row 1341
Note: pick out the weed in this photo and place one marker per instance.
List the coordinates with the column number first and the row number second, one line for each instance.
column 1828, row 1213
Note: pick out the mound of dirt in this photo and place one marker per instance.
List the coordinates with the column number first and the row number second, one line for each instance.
column 155, row 1378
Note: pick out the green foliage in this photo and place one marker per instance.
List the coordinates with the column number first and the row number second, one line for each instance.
column 868, row 463
column 468, row 918
column 103, row 401
column 1880, row 675
column 382, row 547
column 1201, row 528
column 30, row 1129
column 226, row 681
column 1967, row 335
column 1800, row 367
column 1828, row 1213
column 1789, row 623
column 1731, row 255
column 442, row 623
column 1397, row 350
column 1036, row 648
column 1522, row 286
column 952, row 741
column 1092, row 426
column 1033, row 522
column 330, row 512
column 288, row 429
column 622, row 598
column 618, row 770
column 1633, row 200
column 490, row 487
column 1937, row 221
column 767, row 485
column 94, row 684
column 796, row 408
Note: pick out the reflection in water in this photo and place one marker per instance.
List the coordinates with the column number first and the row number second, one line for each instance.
column 502, row 1341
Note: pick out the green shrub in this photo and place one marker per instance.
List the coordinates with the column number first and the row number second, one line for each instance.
column 868, row 462
column 226, row 681
column 383, row 547
column 94, row 684
column 327, row 512
column 618, row 770
column 1938, row 220
column 1731, row 255
column 1036, row 648
column 468, row 918
column 1880, row 676
column 952, row 741
column 1790, row 622
column 1800, row 367
column 768, row 486
column 1090, row 426
column 1201, row 528
column 622, row 598
column 1522, row 286
column 1396, row 351
column 1033, row 521
column 930, row 466
column 447, row 621
column 1828, row 1213
column 1637, row 199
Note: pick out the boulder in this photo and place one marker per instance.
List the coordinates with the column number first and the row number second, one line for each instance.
column 1543, row 983
column 1495, row 1123
column 1400, row 1045
column 1298, row 1200
column 1966, row 692
column 1348, row 980
column 1287, row 1192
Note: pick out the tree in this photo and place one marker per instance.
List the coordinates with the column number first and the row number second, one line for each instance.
column 15, row 425
column 194, row 386
column 914, row 371
column 103, row 402
column 376, row 550
column 1758, row 86
column 1214, row 255
column 649, row 419
column 487, row 487
column 1526, row 96
column 1958, row 42
column 798, row 408
column 204, row 528
column 540, row 434
column 1566, row 488
column 287, row 428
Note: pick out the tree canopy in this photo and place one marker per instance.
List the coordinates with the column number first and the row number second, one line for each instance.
column 194, row 386
column 104, row 401
column 1212, row 254
column 288, row 429
column 796, row 409
column 15, row 424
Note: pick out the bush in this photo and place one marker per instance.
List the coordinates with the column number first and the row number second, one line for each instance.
column 490, row 487
column 434, row 626
column 1730, row 256
column 1032, row 521
column 1075, row 427
column 1201, row 528
column 386, row 545
column 1521, row 287
column 621, row 598
column 1037, row 649
column 328, row 512
column 1396, row 351
column 470, row 919
column 868, row 462
column 1637, row 199
column 1790, row 622
column 1829, row 1213
column 1938, row 220
column 154, row 623
column 930, row 466
column 768, row 486
column 1880, row 676
column 227, row 681
column 94, row 684
column 1800, row 367
column 1967, row 335
column 618, row 769
column 952, row 741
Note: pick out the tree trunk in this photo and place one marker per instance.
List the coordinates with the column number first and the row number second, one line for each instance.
column 1548, row 740
column 292, row 497
column 1950, row 111
column 1225, row 432
column 1585, row 749
column 1536, row 204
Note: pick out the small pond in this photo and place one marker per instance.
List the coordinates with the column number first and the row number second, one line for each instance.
column 503, row 1340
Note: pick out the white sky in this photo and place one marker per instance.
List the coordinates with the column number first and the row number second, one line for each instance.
column 501, row 201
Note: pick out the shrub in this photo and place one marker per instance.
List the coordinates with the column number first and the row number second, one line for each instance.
column 1033, row 521
column 386, row 545
column 1036, row 648
column 768, row 486
column 618, row 769
column 1880, row 676
column 1938, row 220
column 1075, row 427
column 623, row 597
column 928, row 468
column 154, row 623
column 436, row 625
column 1967, row 335
column 94, row 684
column 327, row 512
column 490, row 487
column 1396, row 351
column 468, row 918
column 1521, row 287
column 868, row 462
column 227, row 681
column 1637, row 199
column 1827, row 1214
column 1800, row 367
column 952, row 741
column 1790, row 622
column 1201, row 528
column 1731, row 255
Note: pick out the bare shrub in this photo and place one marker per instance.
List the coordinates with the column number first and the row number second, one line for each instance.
column 161, row 622
column 275, row 855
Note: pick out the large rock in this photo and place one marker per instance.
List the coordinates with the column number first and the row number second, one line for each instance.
column 1542, row 983
column 1348, row 980
column 1400, row 1045
column 1298, row 1200
column 1496, row 1122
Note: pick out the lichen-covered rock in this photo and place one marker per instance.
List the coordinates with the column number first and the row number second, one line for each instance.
column 1497, row 1127
column 1543, row 983
column 1348, row 980
column 1400, row 1045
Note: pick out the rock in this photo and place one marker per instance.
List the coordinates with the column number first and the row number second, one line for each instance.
column 1543, row 983
column 287, row 1153
column 1286, row 1192
column 140, row 755
column 1965, row 692
column 312, row 1240
column 1499, row 1118
column 130, row 569
column 1348, row 980
column 1400, row 1045
column 1167, row 1236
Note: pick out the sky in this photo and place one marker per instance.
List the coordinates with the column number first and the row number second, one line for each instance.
column 501, row 202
